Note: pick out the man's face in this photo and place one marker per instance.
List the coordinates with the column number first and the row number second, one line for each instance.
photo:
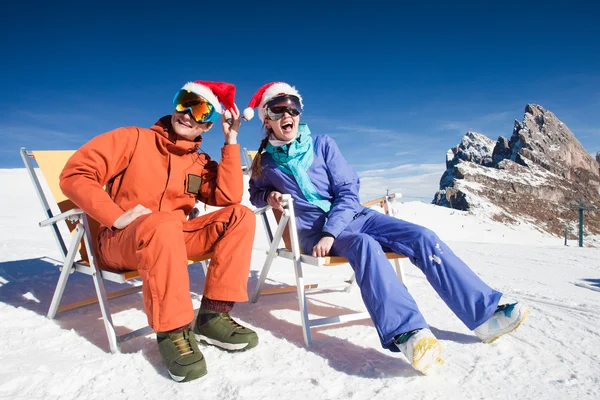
column 185, row 126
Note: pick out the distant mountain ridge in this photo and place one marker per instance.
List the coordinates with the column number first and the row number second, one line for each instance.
column 536, row 175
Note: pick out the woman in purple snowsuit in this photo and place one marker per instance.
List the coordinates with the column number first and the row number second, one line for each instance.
column 331, row 220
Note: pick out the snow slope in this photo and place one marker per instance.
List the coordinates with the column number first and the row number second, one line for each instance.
column 554, row 355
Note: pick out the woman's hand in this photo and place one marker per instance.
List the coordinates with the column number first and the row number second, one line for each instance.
column 131, row 215
column 323, row 248
column 231, row 126
column 275, row 200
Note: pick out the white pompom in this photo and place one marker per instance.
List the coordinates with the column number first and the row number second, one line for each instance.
column 227, row 114
column 248, row 114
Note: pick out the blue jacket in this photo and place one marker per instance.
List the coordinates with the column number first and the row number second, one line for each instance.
column 334, row 179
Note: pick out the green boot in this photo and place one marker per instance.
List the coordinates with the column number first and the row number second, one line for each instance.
column 220, row 330
column 180, row 354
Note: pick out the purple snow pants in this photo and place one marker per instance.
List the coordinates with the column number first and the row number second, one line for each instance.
column 392, row 308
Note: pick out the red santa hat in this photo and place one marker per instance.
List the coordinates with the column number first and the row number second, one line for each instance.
column 215, row 92
column 268, row 92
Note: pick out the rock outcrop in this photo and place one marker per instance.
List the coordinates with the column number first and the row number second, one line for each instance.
column 538, row 175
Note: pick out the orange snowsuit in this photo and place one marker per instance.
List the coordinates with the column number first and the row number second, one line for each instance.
column 165, row 173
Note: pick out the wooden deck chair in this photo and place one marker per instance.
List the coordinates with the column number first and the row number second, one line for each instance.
column 83, row 241
column 290, row 238
column 247, row 157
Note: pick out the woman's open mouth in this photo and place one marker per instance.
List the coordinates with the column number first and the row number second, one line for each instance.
column 287, row 127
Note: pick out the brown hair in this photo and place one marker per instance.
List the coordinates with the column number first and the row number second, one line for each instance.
column 256, row 167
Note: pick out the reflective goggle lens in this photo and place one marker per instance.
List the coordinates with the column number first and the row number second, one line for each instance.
column 202, row 111
column 276, row 108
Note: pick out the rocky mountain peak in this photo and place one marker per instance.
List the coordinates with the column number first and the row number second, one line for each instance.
column 473, row 147
column 536, row 174
column 543, row 139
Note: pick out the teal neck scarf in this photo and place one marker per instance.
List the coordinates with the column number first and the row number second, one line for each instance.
column 294, row 159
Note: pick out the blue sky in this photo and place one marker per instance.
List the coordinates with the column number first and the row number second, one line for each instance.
column 396, row 84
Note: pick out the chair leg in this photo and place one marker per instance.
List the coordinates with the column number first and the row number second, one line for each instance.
column 100, row 291
column 271, row 254
column 106, row 315
column 298, row 269
column 400, row 271
column 265, row 271
column 66, row 271
column 205, row 266
column 350, row 282
column 302, row 302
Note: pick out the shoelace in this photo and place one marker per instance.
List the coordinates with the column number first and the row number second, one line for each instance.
column 506, row 308
column 231, row 320
column 183, row 345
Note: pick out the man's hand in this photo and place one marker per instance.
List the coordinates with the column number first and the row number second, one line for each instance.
column 323, row 248
column 275, row 200
column 131, row 215
column 231, row 124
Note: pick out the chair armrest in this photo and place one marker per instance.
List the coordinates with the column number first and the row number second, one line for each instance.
column 285, row 200
column 262, row 210
column 72, row 215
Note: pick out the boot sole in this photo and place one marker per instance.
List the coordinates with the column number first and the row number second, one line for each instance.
column 192, row 375
column 233, row 347
column 525, row 314
column 427, row 356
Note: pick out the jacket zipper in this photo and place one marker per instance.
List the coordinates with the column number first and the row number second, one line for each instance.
column 167, row 184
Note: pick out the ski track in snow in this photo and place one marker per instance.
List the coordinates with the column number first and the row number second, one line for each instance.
column 555, row 354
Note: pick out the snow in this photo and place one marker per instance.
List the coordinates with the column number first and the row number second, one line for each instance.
column 533, row 175
column 554, row 355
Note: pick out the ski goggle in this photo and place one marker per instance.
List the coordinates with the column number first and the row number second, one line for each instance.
column 200, row 108
column 277, row 107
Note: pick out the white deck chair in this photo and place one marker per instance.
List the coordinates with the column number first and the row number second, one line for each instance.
column 83, row 241
column 287, row 219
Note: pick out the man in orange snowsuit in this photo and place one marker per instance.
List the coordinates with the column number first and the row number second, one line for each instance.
column 141, row 184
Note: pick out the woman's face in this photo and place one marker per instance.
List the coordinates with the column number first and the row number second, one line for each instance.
column 187, row 127
column 285, row 128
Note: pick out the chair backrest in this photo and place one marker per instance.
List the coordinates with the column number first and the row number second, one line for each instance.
column 247, row 158
column 51, row 164
column 382, row 202
column 251, row 154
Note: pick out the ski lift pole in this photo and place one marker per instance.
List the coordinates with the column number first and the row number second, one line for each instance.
column 566, row 234
column 581, row 207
